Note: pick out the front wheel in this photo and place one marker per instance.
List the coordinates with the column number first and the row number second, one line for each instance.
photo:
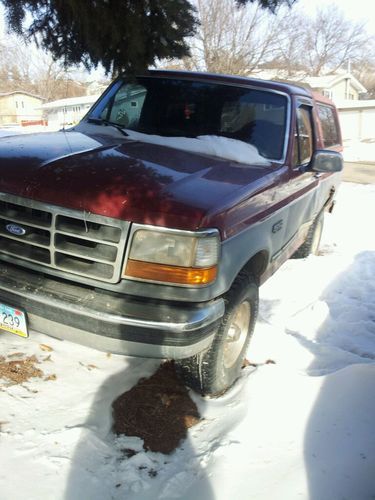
column 213, row 371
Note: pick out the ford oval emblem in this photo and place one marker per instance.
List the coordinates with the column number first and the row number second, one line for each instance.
column 15, row 229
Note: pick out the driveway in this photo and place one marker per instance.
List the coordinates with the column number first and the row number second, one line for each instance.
column 362, row 173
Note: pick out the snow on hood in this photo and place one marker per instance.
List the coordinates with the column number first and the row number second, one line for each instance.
column 214, row 145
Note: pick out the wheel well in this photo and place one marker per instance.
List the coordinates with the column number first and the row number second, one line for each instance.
column 257, row 264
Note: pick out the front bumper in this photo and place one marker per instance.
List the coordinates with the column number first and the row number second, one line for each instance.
column 110, row 322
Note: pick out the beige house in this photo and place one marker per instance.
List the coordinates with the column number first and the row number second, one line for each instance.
column 19, row 107
column 338, row 87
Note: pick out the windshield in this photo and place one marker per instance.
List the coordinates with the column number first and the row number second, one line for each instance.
column 182, row 108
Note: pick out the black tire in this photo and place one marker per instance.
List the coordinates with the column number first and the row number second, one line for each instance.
column 312, row 242
column 213, row 371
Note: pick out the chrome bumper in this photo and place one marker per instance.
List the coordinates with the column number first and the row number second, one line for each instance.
column 110, row 322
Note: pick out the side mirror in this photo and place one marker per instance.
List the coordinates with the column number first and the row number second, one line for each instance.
column 324, row 160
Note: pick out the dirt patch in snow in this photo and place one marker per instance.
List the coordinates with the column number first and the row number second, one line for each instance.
column 18, row 371
column 158, row 410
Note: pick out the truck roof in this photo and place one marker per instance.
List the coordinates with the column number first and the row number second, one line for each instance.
column 286, row 87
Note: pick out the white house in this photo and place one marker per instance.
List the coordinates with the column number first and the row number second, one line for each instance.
column 68, row 111
column 357, row 119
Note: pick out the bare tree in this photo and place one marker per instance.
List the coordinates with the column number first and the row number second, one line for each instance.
column 239, row 39
column 289, row 54
column 231, row 39
column 53, row 80
column 331, row 40
column 14, row 69
column 321, row 44
column 28, row 68
column 364, row 70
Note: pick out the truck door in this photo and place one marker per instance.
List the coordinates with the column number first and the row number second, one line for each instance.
column 303, row 182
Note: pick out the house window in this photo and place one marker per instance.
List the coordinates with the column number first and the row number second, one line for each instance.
column 327, row 93
column 329, row 125
column 17, row 104
column 22, row 104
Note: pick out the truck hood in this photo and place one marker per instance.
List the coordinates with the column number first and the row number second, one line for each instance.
column 110, row 175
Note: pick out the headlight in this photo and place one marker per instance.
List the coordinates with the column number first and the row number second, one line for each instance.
column 172, row 256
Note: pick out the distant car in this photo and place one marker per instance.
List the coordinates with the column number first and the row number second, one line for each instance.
column 153, row 240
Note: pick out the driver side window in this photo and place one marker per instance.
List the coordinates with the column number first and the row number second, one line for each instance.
column 125, row 109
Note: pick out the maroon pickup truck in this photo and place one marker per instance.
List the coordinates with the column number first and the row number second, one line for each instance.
column 147, row 229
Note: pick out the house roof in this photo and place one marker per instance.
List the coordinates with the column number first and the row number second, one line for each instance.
column 328, row 81
column 5, row 94
column 71, row 101
column 315, row 82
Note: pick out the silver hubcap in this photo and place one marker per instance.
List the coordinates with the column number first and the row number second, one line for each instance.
column 237, row 334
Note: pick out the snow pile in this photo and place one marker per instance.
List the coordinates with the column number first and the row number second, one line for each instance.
column 301, row 428
column 223, row 147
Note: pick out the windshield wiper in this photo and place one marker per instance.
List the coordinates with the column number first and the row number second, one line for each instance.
column 102, row 121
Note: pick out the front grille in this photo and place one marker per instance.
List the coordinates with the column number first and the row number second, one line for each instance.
column 76, row 242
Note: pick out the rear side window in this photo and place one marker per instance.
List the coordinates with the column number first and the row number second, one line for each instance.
column 304, row 137
column 329, row 126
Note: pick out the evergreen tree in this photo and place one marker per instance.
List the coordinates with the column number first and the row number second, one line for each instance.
column 122, row 35
column 272, row 5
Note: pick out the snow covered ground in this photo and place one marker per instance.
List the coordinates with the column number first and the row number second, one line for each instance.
column 360, row 151
column 302, row 428
column 16, row 129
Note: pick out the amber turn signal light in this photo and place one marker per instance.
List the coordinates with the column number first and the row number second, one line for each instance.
column 170, row 274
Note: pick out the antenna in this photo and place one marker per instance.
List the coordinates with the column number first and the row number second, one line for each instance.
column 66, row 95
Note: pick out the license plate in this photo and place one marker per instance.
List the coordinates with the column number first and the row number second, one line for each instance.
column 13, row 320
